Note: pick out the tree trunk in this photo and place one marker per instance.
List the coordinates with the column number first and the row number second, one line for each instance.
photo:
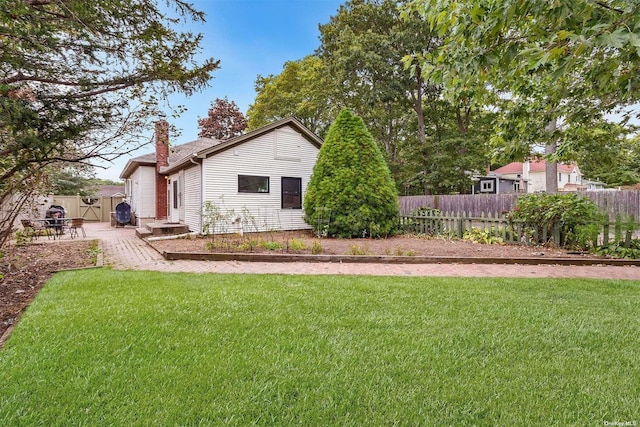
column 551, row 170
column 418, row 106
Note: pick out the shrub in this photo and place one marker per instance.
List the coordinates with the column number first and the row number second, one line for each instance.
column 575, row 218
column 270, row 246
column 400, row 252
column 22, row 238
column 248, row 245
column 621, row 249
column 351, row 180
column 316, row 247
column 296, row 245
column 486, row 237
column 357, row 250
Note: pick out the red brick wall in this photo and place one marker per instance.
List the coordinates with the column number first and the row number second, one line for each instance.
column 162, row 159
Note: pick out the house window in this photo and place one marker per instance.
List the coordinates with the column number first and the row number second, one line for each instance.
column 516, row 186
column 560, row 177
column 175, row 194
column 253, row 184
column 291, row 193
column 486, row 186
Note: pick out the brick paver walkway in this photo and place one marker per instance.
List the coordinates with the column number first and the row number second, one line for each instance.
column 123, row 250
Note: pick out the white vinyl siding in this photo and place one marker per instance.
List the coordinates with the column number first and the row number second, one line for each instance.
column 263, row 156
column 287, row 145
column 143, row 192
column 537, row 182
column 192, row 194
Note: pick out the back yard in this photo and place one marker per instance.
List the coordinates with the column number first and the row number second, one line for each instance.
column 104, row 347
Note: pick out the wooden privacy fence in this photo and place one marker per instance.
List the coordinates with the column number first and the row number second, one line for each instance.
column 89, row 208
column 614, row 203
column 517, row 232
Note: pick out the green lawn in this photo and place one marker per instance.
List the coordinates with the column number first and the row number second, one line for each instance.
column 103, row 347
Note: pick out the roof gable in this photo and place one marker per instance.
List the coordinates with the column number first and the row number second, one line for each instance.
column 182, row 155
column 536, row 166
column 515, row 167
column 289, row 121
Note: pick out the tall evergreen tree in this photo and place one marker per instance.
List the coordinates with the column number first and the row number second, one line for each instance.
column 351, row 184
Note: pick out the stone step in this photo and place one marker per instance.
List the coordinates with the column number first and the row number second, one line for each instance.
column 166, row 228
column 143, row 232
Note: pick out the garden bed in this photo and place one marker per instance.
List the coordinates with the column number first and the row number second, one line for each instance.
column 24, row 269
column 407, row 246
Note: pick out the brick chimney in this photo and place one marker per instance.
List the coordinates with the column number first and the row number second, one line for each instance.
column 162, row 159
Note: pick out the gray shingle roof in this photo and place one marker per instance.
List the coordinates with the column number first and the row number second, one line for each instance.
column 203, row 147
column 177, row 155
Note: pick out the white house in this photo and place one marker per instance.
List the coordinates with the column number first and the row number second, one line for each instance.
column 532, row 175
column 256, row 180
column 594, row 185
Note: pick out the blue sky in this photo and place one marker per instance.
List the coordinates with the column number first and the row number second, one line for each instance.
column 249, row 37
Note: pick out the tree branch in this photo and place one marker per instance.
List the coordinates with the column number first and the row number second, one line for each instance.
column 606, row 6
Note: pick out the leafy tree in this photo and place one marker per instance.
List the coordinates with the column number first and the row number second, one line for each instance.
column 429, row 143
column 351, row 183
column 607, row 153
column 80, row 80
column 304, row 90
column 540, row 62
column 72, row 179
column 363, row 46
column 224, row 120
column 443, row 164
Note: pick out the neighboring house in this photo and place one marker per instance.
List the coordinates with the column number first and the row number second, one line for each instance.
column 594, row 185
column 256, row 179
column 493, row 183
column 531, row 175
column 110, row 191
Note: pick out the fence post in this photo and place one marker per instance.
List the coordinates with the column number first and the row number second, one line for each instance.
column 618, row 229
column 556, row 234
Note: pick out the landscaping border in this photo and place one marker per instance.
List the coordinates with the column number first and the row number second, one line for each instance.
column 390, row 259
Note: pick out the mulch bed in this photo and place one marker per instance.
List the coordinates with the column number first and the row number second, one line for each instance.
column 25, row 269
column 401, row 245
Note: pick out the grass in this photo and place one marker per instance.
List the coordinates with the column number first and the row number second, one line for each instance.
column 138, row 348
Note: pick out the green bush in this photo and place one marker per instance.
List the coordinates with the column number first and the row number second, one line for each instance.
column 270, row 246
column 316, row 247
column 351, row 184
column 621, row 249
column 572, row 218
column 296, row 245
column 479, row 235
